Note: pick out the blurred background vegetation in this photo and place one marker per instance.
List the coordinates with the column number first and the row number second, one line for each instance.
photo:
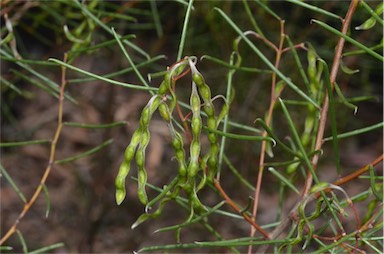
column 83, row 213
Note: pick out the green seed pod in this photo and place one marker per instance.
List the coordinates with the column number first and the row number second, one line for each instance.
column 196, row 125
column 120, row 196
column 212, row 137
column 198, row 79
column 211, row 123
column 129, row 153
column 195, row 103
column 136, row 137
column 145, row 137
column 180, row 155
column 125, row 166
column 178, row 68
column 140, row 157
column 163, row 88
column 193, row 169
column 208, row 109
column 120, row 182
column 311, row 64
column 195, row 150
column 183, row 169
column 154, row 103
column 205, row 93
column 164, row 112
column 223, row 113
column 145, row 116
column 177, row 141
column 188, row 187
column 142, row 180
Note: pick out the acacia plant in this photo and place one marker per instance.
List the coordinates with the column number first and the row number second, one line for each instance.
column 257, row 127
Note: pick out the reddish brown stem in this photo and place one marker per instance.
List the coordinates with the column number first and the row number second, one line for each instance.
column 44, row 178
column 268, row 122
column 355, row 174
column 325, row 108
column 238, row 210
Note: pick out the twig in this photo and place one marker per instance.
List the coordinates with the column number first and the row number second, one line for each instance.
column 268, row 122
column 44, row 178
column 324, row 110
column 238, row 210
column 285, row 222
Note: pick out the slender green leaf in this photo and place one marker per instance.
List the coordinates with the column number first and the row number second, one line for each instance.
column 349, row 39
column 237, row 174
column 266, row 61
column 95, row 126
column 234, row 67
column 298, row 63
column 88, row 13
column 137, row 87
column 24, row 143
column 47, row 249
column 335, row 141
column 314, row 8
column 47, row 200
column 251, row 18
column 156, row 18
column 138, row 74
column 298, row 141
column 239, row 136
column 12, row 183
column 120, row 72
column 343, row 99
column 283, row 179
column 87, row 153
column 22, row 241
column 357, row 132
column 184, row 31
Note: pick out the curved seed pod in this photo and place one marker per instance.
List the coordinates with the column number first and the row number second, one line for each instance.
column 197, row 77
column 126, row 166
column 311, row 57
column 212, row 161
column 210, row 158
column 140, row 136
column 145, row 116
column 140, row 161
column 177, row 144
column 141, row 193
column 164, row 87
column 164, row 112
column 223, row 113
column 196, row 125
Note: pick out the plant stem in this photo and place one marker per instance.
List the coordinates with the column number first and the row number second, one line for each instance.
column 44, row 178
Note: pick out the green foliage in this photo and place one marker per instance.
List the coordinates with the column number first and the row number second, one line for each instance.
column 268, row 84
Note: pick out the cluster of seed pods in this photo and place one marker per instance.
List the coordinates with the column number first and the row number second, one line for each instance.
column 186, row 179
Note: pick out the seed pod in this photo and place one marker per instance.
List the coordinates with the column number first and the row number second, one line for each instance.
column 163, row 88
column 140, row 161
column 198, row 78
column 164, row 112
column 205, row 92
column 223, row 113
column 311, row 56
column 120, row 182
column 208, row 109
column 142, row 181
column 126, row 165
column 193, row 168
column 196, row 124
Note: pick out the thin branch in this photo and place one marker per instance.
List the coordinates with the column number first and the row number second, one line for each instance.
column 273, row 100
column 238, row 210
column 44, row 178
column 325, row 108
